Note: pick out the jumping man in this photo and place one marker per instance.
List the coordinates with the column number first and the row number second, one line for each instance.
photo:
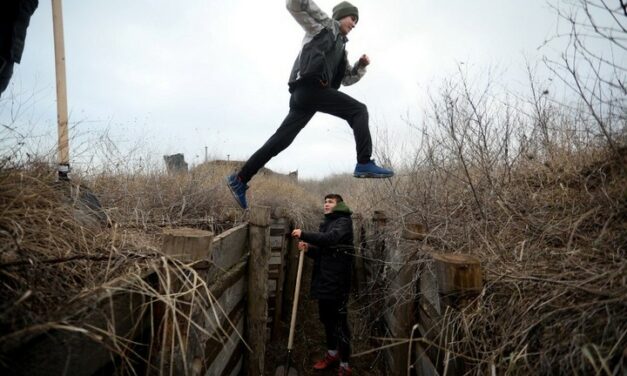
column 319, row 70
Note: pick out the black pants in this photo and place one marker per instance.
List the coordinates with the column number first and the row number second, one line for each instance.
column 334, row 317
column 305, row 101
column 6, row 71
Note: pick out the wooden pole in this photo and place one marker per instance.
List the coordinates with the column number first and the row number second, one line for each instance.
column 259, row 230
column 290, row 341
column 63, row 156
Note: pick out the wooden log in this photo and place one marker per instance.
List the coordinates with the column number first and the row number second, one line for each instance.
column 188, row 244
column 458, row 276
column 259, row 231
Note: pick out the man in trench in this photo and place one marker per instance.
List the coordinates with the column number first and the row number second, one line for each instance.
column 319, row 70
column 332, row 251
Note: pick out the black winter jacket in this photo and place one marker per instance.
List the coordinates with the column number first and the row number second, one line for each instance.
column 322, row 61
column 332, row 251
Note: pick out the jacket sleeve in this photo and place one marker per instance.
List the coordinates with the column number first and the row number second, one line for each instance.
column 312, row 252
column 308, row 15
column 332, row 237
column 353, row 73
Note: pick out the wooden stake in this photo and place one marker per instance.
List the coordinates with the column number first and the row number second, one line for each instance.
column 63, row 156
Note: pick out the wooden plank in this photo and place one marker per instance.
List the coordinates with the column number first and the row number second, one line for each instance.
column 423, row 365
column 259, row 238
column 234, row 365
column 220, row 347
column 229, row 279
column 227, row 249
column 276, row 242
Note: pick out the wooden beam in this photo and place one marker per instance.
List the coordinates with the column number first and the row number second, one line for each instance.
column 259, row 231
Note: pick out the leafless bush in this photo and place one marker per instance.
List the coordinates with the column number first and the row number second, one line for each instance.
column 593, row 64
column 527, row 187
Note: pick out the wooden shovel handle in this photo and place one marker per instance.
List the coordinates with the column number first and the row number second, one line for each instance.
column 290, row 341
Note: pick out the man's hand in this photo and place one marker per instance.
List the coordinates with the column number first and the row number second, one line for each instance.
column 302, row 246
column 364, row 61
column 296, row 233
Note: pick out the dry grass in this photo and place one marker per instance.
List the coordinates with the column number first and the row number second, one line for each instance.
column 57, row 254
column 548, row 222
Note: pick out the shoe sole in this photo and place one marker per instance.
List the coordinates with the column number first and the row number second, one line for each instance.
column 228, row 184
column 371, row 175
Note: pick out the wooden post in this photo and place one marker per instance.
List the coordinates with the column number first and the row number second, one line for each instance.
column 453, row 281
column 459, row 278
column 187, row 244
column 359, row 258
column 62, row 117
column 259, row 231
column 401, row 297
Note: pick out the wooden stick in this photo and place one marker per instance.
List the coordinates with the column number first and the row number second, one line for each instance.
column 62, row 115
column 290, row 341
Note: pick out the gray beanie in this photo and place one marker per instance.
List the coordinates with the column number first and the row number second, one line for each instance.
column 344, row 9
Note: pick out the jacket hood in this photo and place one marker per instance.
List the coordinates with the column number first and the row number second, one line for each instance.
column 342, row 208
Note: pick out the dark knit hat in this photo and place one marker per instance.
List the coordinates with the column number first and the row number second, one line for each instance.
column 344, row 9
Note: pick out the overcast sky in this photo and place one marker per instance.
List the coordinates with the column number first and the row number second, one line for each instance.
column 171, row 78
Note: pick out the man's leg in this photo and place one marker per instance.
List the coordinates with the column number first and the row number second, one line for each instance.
column 293, row 123
column 344, row 333
column 328, row 317
column 336, row 103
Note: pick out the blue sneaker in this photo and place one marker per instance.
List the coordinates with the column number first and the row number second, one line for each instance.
column 238, row 189
column 371, row 170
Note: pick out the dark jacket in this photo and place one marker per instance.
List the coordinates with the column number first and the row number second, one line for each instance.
column 14, row 19
column 322, row 61
column 332, row 251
